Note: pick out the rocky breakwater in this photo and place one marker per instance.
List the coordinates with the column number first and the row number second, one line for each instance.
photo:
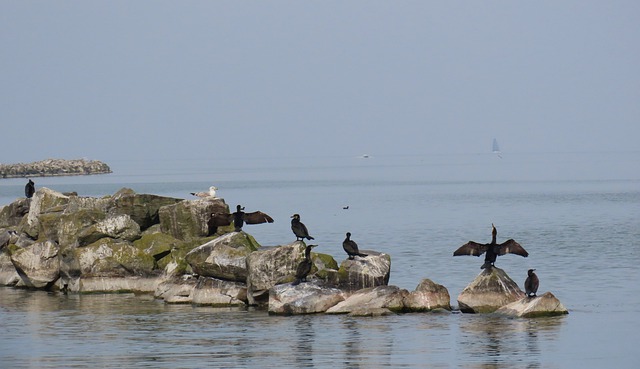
column 54, row 167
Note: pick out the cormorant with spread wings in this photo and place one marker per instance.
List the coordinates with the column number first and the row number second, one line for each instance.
column 239, row 217
column 491, row 250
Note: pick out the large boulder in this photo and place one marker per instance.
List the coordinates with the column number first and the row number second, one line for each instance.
column 270, row 266
column 428, row 296
column 159, row 246
column 43, row 201
column 113, row 258
column 304, row 298
column 37, row 265
column 531, row 307
column 120, row 227
column 8, row 274
column 223, row 257
column 189, row 219
column 219, row 293
column 12, row 214
column 491, row 290
column 364, row 272
column 369, row 300
column 142, row 208
column 176, row 290
column 73, row 224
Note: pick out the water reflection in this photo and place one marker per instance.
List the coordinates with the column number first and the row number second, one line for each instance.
column 305, row 339
column 490, row 341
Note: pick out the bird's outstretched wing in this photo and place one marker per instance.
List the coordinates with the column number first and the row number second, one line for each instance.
column 220, row 219
column 471, row 248
column 512, row 247
column 257, row 217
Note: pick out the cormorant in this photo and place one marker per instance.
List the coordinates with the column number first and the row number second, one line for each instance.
column 211, row 193
column 29, row 189
column 351, row 247
column 299, row 229
column 239, row 217
column 531, row 283
column 492, row 249
column 305, row 266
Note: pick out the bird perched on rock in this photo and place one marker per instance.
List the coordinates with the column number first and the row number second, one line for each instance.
column 299, row 229
column 239, row 217
column 304, row 267
column 531, row 283
column 211, row 193
column 492, row 249
column 351, row 247
column 29, row 189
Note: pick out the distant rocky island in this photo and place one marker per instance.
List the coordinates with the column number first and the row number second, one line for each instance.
column 54, row 167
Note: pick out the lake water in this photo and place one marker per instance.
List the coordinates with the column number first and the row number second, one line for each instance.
column 582, row 233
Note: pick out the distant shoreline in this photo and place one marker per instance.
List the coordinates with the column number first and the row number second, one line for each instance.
column 54, row 168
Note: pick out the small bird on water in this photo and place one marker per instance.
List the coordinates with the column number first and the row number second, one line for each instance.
column 299, row 229
column 29, row 189
column 305, row 266
column 531, row 283
column 351, row 247
column 493, row 249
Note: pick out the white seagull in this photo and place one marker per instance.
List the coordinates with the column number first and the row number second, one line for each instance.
column 211, row 193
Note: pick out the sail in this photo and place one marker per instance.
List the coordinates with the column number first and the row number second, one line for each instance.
column 496, row 148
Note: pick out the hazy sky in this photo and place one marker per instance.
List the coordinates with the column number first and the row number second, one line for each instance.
column 113, row 80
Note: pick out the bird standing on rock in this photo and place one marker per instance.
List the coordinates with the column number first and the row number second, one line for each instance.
column 351, row 247
column 29, row 189
column 299, row 229
column 305, row 266
column 492, row 249
column 531, row 283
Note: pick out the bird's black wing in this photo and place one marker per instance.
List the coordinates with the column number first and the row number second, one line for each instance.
column 257, row 217
column 220, row 219
column 512, row 247
column 471, row 248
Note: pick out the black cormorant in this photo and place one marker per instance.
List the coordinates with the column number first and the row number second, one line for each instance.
column 531, row 283
column 305, row 266
column 351, row 247
column 29, row 189
column 299, row 229
column 239, row 217
column 492, row 249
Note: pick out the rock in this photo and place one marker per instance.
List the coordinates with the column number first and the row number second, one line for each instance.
column 12, row 214
column 270, row 266
column 364, row 272
column 304, row 298
column 219, row 293
column 43, row 201
column 531, row 307
column 8, row 274
column 491, row 290
column 73, row 224
column 112, row 258
column 142, row 208
column 159, row 246
column 428, row 296
column 223, row 257
column 131, row 284
column 371, row 312
column 120, row 227
column 388, row 297
column 189, row 219
column 37, row 265
column 176, row 290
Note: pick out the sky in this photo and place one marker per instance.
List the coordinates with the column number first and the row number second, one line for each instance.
column 151, row 80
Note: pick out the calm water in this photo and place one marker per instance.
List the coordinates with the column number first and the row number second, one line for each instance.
column 583, row 237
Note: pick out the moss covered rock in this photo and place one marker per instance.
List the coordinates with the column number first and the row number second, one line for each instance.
column 189, row 219
column 491, row 290
column 223, row 257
